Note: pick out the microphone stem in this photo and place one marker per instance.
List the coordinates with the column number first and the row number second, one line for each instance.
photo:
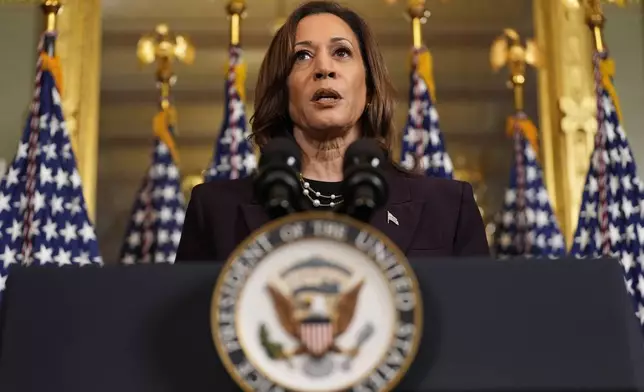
column 278, row 201
column 363, row 204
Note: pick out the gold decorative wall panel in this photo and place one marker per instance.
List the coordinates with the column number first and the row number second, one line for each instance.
column 79, row 48
column 567, row 105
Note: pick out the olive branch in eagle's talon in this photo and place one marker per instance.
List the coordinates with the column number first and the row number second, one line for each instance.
column 275, row 350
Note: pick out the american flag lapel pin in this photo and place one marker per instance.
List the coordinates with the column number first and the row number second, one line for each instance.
column 391, row 218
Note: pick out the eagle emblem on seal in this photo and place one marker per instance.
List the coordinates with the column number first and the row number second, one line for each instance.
column 316, row 307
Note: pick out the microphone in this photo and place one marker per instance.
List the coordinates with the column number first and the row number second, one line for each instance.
column 364, row 186
column 276, row 184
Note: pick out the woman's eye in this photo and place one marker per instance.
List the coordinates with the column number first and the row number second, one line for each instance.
column 301, row 55
column 343, row 52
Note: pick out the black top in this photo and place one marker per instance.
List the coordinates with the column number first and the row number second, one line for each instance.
column 325, row 188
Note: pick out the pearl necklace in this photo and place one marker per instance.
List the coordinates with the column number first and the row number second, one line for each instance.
column 308, row 191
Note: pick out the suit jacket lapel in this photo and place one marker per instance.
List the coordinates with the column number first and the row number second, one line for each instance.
column 254, row 215
column 407, row 214
column 252, row 212
column 399, row 218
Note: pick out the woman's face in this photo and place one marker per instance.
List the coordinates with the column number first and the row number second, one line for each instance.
column 327, row 88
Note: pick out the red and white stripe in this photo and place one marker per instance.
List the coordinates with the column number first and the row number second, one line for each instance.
column 317, row 337
column 148, row 221
column 522, row 240
column 419, row 117
column 32, row 152
column 234, row 96
column 600, row 150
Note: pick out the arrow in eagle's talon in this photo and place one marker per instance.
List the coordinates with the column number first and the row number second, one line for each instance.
column 365, row 333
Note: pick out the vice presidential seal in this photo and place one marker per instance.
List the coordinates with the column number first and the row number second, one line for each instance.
column 316, row 302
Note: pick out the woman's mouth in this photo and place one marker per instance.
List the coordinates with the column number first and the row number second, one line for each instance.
column 326, row 96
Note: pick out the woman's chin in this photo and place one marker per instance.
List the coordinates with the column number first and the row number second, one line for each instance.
column 332, row 126
column 329, row 131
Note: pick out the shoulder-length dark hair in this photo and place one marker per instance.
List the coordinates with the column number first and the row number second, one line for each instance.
column 271, row 117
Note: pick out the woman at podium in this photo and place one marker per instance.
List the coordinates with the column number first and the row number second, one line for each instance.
column 324, row 83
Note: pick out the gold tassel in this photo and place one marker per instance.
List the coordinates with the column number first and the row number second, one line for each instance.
column 52, row 64
column 607, row 70
column 161, row 123
column 425, row 68
column 240, row 77
column 240, row 80
column 527, row 127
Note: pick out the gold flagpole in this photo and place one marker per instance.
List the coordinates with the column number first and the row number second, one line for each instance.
column 50, row 9
column 596, row 20
column 507, row 51
column 164, row 47
column 236, row 11
column 418, row 14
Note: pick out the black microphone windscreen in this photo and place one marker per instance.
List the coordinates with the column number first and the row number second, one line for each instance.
column 364, row 186
column 364, row 151
column 276, row 184
column 281, row 150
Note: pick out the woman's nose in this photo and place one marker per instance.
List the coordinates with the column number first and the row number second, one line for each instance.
column 323, row 74
column 324, row 67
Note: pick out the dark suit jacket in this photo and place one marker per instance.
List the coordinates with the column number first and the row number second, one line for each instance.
column 436, row 217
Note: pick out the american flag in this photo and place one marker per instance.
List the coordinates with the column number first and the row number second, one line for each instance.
column 611, row 217
column 43, row 215
column 233, row 156
column 154, row 229
column 423, row 143
column 526, row 225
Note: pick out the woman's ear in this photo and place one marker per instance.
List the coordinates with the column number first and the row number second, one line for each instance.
column 367, row 101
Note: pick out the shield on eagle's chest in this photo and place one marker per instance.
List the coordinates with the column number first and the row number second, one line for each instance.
column 317, row 336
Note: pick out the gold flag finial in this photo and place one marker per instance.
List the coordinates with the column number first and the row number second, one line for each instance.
column 507, row 51
column 164, row 47
column 419, row 15
column 50, row 8
column 236, row 11
column 595, row 17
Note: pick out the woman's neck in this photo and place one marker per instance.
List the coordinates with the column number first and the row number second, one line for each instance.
column 322, row 159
